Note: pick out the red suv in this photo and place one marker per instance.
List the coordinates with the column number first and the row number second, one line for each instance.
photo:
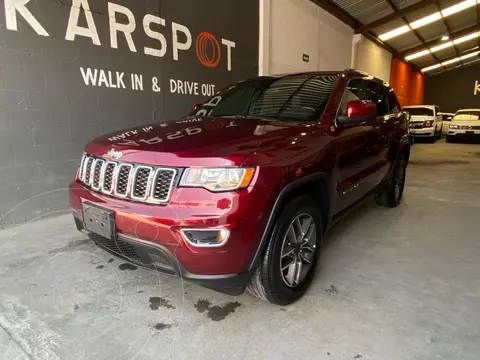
column 240, row 193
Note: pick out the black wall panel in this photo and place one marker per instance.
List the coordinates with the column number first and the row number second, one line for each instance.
column 455, row 89
column 68, row 74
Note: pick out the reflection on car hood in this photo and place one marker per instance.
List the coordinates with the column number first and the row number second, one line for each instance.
column 199, row 138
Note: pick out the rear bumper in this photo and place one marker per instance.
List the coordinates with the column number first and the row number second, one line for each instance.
column 159, row 258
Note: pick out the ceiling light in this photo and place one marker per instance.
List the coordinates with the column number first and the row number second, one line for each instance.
column 394, row 33
column 451, row 61
column 433, row 67
column 466, row 38
column 466, row 4
column 468, row 56
column 443, row 46
column 458, row 7
column 445, row 38
column 417, row 55
column 426, row 20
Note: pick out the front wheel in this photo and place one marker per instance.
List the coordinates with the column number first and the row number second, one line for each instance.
column 392, row 194
column 288, row 262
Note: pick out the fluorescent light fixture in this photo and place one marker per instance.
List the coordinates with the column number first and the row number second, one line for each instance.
column 468, row 56
column 443, row 46
column 466, row 38
column 458, row 7
column 466, row 4
column 445, row 37
column 433, row 67
column 417, row 55
column 451, row 61
column 426, row 20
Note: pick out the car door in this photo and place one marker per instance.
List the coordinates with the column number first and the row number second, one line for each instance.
column 356, row 144
column 389, row 128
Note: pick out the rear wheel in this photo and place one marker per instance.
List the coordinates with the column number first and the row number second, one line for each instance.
column 392, row 194
column 288, row 262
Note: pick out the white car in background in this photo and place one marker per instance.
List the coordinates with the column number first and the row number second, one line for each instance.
column 425, row 121
column 446, row 118
column 465, row 125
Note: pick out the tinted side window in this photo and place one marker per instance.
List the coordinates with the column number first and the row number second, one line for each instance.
column 437, row 110
column 393, row 105
column 376, row 94
column 355, row 91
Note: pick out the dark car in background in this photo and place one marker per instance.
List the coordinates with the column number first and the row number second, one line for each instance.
column 239, row 194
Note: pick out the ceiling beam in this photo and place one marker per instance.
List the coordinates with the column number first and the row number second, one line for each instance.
column 393, row 16
column 429, row 44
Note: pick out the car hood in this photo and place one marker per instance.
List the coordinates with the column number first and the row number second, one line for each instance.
column 196, row 141
column 466, row 122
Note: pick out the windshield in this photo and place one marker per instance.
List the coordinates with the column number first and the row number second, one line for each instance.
column 419, row 111
column 468, row 115
column 300, row 98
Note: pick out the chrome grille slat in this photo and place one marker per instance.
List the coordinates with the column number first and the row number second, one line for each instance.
column 162, row 184
column 97, row 174
column 143, row 183
column 141, row 178
column 109, row 173
column 88, row 170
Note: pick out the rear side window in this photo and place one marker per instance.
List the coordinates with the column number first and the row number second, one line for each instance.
column 355, row 91
column 393, row 105
column 377, row 94
column 419, row 111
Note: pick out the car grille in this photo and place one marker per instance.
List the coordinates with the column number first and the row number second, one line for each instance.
column 416, row 125
column 124, row 180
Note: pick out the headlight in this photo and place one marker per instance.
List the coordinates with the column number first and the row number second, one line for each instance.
column 452, row 126
column 217, row 179
column 428, row 123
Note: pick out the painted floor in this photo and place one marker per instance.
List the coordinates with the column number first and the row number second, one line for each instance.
column 398, row 283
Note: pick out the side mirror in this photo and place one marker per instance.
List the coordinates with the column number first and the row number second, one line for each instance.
column 407, row 114
column 358, row 111
column 194, row 108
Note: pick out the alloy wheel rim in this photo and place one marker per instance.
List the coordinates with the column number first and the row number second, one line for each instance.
column 399, row 181
column 298, row 250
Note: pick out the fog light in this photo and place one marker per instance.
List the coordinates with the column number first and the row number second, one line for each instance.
column 205, row 237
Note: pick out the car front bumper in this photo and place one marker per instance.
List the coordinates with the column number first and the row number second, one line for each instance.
column 149, row 235
column 423, row 132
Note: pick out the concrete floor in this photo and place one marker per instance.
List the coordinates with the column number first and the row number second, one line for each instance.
column 398, row 283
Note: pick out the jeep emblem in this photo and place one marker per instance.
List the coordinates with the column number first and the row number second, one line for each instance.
column 115, row 154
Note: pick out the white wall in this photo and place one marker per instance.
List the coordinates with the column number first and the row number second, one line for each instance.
column 371, row 58
column 291, row 28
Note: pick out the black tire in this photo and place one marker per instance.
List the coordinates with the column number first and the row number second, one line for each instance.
column 389, row 197
column 433, row 138
column 267, row 281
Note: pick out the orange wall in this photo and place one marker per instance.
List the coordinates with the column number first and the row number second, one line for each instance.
column 408, row 84
column 417, row 88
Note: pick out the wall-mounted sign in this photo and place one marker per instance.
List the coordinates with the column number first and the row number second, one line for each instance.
column 476, row 87
column 306, row 58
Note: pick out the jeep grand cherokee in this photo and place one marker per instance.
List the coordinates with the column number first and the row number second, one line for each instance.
column 240, row 193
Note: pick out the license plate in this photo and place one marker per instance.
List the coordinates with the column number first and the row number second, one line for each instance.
column 98, row 220
column 469, row 132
